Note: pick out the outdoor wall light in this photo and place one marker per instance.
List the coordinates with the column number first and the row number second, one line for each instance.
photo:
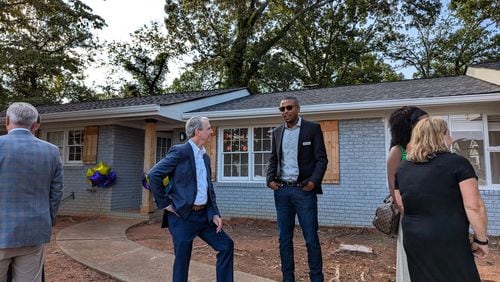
column 182, row 136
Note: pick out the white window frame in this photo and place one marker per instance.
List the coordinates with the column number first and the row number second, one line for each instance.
column 65, row 151
column 488, row 150
column 168, row 139
column 486, row 142
column 251, row 155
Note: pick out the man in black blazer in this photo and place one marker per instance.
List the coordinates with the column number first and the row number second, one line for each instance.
column 296, row 168
column 189, row 201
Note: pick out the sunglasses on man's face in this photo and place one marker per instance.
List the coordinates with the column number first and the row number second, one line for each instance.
column 288, row 108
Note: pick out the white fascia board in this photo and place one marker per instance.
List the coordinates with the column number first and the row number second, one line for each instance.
column 177, row 111
column 129, row 111
column 351, row 107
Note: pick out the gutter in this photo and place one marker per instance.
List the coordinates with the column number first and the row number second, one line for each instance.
column 348, row 107
column 129, row 111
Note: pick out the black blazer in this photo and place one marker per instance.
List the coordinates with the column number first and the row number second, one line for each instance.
column 311, row 157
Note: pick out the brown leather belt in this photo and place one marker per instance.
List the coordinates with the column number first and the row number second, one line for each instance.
column 198, row 207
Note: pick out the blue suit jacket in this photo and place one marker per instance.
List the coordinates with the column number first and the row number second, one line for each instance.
column 180, row 166
column 312, row 158
column 31, row 184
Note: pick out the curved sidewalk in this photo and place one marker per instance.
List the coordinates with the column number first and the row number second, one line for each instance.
column 103, row 245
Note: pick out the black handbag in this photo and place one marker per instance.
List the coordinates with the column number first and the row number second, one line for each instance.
column 387, row 216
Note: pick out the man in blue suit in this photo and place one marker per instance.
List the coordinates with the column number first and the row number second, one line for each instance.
column 189, row 201
column 31, row 184
column 296, row 168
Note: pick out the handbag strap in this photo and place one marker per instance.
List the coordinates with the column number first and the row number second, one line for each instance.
column 388, row 200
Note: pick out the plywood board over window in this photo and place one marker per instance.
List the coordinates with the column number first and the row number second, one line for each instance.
column 212, row 152
column 90, row 136
column 330, row 130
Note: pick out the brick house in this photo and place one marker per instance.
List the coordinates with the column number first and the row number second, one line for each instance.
column 132, row 134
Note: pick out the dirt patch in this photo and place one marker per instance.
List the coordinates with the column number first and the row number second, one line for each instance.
column 59, row 266
column 256, row 251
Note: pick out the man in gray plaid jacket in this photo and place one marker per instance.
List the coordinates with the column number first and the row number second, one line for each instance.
column 31, row 184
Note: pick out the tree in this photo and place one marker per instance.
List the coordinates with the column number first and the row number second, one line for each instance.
column 336, row 44
column 233, row 36
column 476, row 40
column 43, row 47
column 198, row 76
column 477, row 10
column 145, row 58
column 442, row 41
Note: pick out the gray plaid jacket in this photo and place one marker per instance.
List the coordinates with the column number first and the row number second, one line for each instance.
column 31, row 184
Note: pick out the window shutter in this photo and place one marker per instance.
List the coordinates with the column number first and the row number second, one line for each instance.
column 212, row 152
column 90, row 135
column 330, row 130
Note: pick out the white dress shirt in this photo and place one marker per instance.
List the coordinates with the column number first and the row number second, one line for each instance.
column 201, row 175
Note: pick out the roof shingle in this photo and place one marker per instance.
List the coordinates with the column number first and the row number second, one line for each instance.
column 406, row 89
column 492, row 65
column 162, row 100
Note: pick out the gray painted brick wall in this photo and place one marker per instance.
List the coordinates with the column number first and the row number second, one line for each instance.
column 128, row 162
column 362, row 175
column 351, row 203
column 87, row 202
column 491, row 199
column 121, row 148
column 362, row 184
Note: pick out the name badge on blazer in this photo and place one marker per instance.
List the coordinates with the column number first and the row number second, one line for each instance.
column 307, row 143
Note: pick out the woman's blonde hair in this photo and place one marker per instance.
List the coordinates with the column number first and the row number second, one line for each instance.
column 427, row 139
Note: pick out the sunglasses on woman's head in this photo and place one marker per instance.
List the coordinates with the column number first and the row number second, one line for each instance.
column 289, row 108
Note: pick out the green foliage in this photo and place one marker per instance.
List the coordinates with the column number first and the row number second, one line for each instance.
column 472, row 11
column 281, row 45
column 145, row 58
column 333, row 45
column 232, row 36
column 198, row 76
column 459, row 34
column 43, row 47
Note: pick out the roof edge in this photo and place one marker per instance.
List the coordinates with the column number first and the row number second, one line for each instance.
column 350, row 107
column 128, row 111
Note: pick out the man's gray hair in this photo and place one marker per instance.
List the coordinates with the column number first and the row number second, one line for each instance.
column 22, row 114
column 194, row 123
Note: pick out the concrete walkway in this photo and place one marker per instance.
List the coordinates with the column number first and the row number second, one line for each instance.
column 102, row 245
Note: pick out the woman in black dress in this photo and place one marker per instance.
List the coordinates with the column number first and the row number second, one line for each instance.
column 440, row 198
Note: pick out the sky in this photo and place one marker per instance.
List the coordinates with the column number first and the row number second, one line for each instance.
column 123, row 17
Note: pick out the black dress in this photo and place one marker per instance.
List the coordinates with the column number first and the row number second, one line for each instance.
column 435, row 226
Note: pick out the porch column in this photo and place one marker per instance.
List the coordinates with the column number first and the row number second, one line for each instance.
column 147, row 205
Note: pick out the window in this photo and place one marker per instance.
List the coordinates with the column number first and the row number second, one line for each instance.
column 245, row 152
column 468, row 141
column 262, row 150
column 235, row 152
column 70, row 144
column 494, row 147
column 75, row 145
column 163, row 144
column 57, row 138
column 477, row 138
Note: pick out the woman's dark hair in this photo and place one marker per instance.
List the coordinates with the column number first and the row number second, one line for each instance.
column 401, row 122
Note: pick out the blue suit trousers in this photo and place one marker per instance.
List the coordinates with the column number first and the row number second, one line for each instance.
column 184, row 231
